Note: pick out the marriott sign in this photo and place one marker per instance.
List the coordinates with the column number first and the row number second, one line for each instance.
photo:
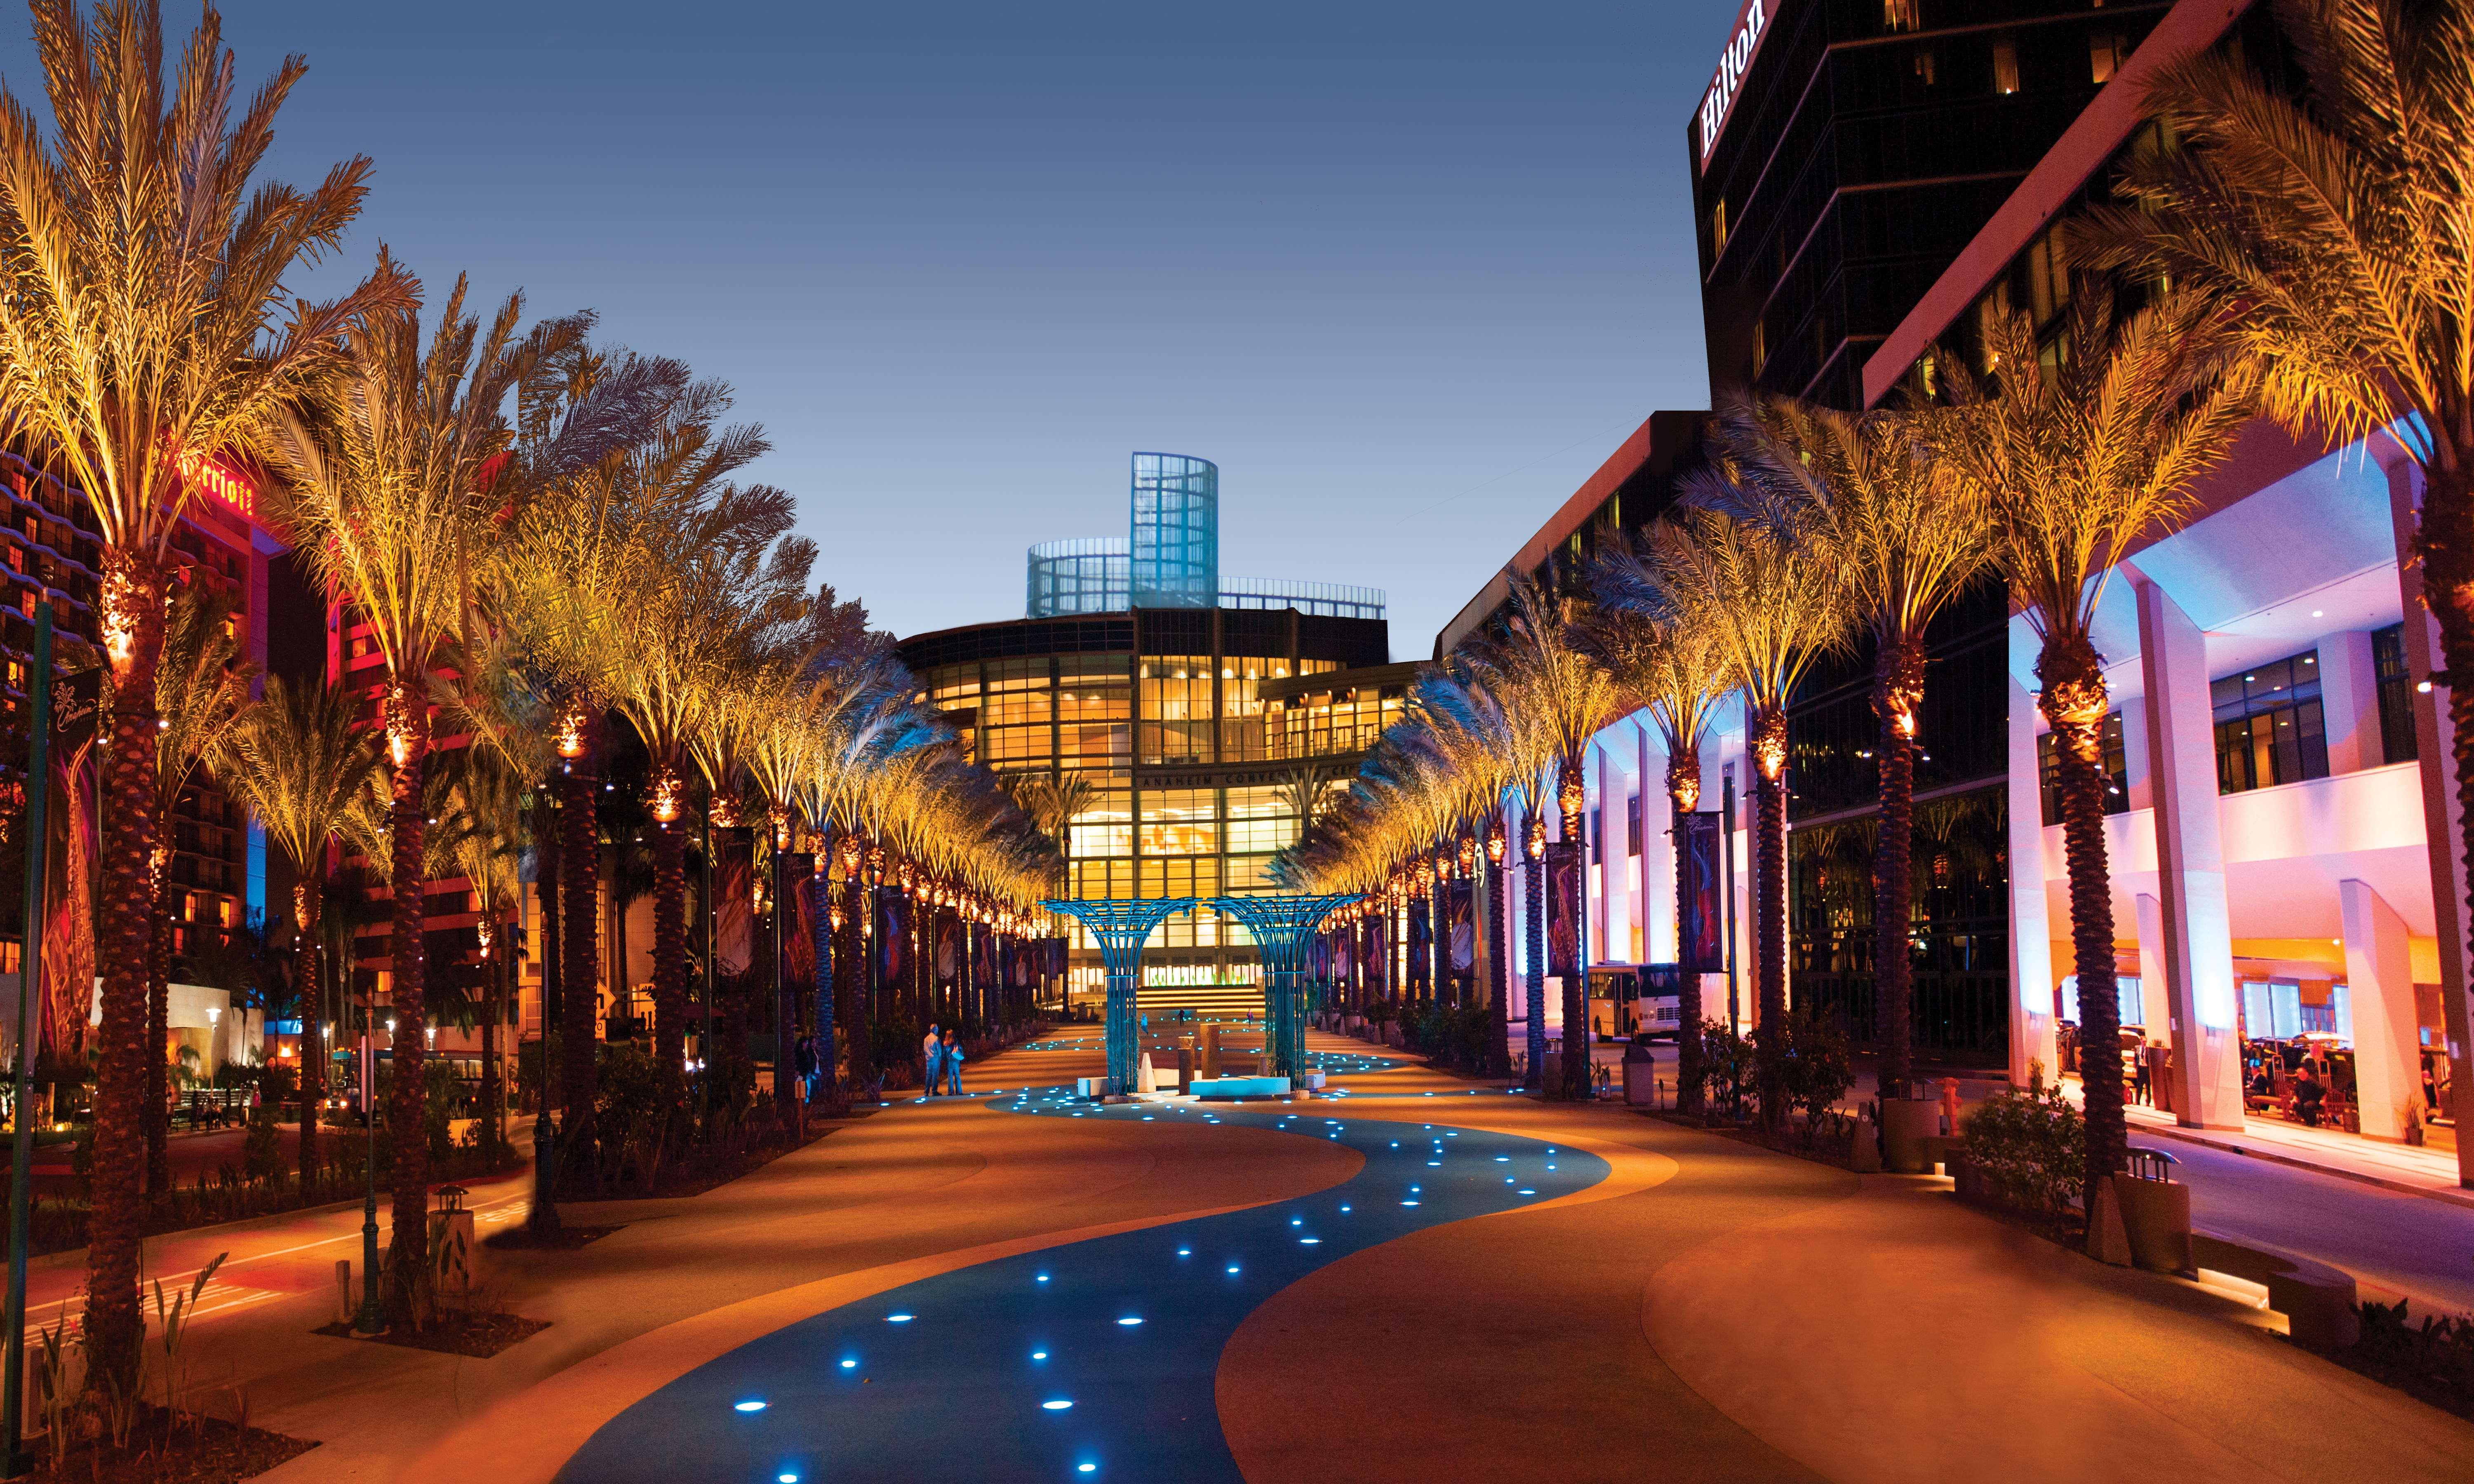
column 1750, row 27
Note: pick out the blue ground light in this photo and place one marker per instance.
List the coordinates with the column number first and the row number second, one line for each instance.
column 1102, row 1371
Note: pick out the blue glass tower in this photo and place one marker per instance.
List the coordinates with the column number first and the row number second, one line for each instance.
column 1176, row 532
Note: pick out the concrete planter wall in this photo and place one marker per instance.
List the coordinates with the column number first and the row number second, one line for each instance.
column 2156, row 1216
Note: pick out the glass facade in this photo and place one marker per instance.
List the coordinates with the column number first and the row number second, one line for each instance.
column 2269, row 726
column 2397, row 740
column 1176, row 561
column 1084, row 575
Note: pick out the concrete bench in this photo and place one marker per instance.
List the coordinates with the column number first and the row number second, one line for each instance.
column 2321, row 1306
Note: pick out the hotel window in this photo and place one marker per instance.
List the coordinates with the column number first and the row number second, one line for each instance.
column 1631, row 825
column 2107, row 50
column 1898, row 16
column 1718, row 229
column 1928, row 69
column 2398, row 738
column 2005, row 67
column 2116, row 772
column 2269, row 726
column 2048, row 277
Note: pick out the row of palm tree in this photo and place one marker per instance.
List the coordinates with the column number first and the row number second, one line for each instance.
column 537, row 535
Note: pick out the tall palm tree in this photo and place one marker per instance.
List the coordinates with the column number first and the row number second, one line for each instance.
column 1676, row 672
column 2076, row 464
column 1568, row 696
column 1907, row 539
column 2336, row 219
column 201, row 685
column 390, row 494
column 488, row 854
column 156, row 331
column 304, row 765
column 1771, row 604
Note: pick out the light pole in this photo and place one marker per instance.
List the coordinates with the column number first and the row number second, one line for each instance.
column 14, row 1459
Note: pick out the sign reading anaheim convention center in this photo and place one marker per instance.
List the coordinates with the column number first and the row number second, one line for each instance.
column 1732, row 65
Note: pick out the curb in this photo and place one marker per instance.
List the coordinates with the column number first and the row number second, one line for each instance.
column 2449, row 1197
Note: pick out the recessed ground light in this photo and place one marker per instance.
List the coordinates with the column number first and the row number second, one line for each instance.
column 1057, row 1406
column 899, row 1318
column 1129, row 1320
column 1309, row 1241
column 751, row 1406
column 1185, row 1252
column 1043, row 1278
column 1088, row 1469
column 850, row 1365
column 1408, row 1203
column 1039, row 1354
column 1232, row 1268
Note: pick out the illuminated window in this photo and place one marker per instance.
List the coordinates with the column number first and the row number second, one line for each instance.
column 1175, row 707
column 1898, row 16
column 1718, row 229
column 2107, row 50
column 1928, row 69
column 2269, row 726
column 2005, row 67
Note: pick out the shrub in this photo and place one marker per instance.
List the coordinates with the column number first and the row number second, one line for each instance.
column 1818, row 1073
column 2031, row 1148
column 262, row 1148
column 1726, row 1068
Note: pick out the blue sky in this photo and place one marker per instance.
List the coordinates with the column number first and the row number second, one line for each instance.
column 1407, row 272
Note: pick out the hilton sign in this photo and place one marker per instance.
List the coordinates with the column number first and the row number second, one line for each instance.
column 1733, row 63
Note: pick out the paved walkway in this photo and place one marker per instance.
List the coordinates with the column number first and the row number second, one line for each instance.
column 1692, row 1308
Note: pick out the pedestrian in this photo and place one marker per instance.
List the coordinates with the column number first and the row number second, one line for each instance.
column 953, row 1065
column 2141, row 1075
column 807, row 1057
column 932, row 1060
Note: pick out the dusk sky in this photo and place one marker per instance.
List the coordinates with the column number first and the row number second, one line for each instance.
column 1407, row 274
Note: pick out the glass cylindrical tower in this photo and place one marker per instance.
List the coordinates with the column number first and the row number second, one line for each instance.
column 1084, row 575
column 1176, row 532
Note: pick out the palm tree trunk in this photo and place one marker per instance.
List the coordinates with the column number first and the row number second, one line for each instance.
column 579, row 855
column 850, row 962
column 1683, row 794
column 124, row 943
column 1498, row 975
column 408, row 725
column 1769, row 909
column 159, row 1046
column 1898, row 689
column 785, row 1007
column 2074, row 703
column 313, row 1044
column 820, row 936
column 545, row 890
column 670, row 965
column 1536, row 1000
column 494, row 1098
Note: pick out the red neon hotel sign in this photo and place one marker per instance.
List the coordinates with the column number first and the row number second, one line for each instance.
column 204, row 475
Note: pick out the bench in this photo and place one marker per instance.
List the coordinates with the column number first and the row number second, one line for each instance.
column 1242, row 1087
column 2319, row 1303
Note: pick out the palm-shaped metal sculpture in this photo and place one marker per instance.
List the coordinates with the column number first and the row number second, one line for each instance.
column 1283, row 929
column 1122, row 928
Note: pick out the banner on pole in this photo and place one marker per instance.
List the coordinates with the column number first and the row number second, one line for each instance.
column 1422, row 941
column 892, row 935
column 1703, row 946
column 949, row 952
column 1460, row 933
column 1563, row 899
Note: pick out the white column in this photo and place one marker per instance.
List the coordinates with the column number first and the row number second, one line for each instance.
column 1658, row 944
column 2136, row 785
column 2349, row 701
column 2379, row 977
column 2031, row 965
column 1614, row 907
column 2198, row 995
column 2149, row 915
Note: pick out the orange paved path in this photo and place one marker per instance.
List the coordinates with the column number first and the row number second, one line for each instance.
column 1712, row 1312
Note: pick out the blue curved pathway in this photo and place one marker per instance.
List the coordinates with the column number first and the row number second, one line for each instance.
column 1094, row 1360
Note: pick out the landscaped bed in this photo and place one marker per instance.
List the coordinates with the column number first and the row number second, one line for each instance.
column 163, row 1448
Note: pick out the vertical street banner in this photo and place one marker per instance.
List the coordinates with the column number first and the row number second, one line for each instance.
column 1422, row 942
column 948, row 957
column 892, row 935
column 798, row 942
column 1562, row 896
column 1344, row 955
column 734, row 873
column 1053, row 956
column 1319, row 959
column 1702, row 949
column 1460, row 937
column 1378, row 955
column 983, row 960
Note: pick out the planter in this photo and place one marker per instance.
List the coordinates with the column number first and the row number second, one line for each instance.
column 2156, row 1217
column 1864, row 1155
column 1905, row 1124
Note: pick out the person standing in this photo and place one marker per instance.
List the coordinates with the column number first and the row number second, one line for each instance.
column 953, row 1059
column 932, row 1060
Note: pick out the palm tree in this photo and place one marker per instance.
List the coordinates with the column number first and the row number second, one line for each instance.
column 2334, row 218
column 1770, row 603
column 1568, row 696
column 1676, row 672
column 391, row 473
column 2076, row 462
column 488, row 854
column 201, row 685
column 1907, row 539
column 304, row 765
column 156, row 333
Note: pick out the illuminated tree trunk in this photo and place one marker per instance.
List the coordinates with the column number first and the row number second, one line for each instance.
column 124, row 942
column 579, row 826
column 408, row 738
column 1576, row 985
column 313, row 1041
column 1684, row 797
column 2073, row 700
column 820, row 937
column 493, row 1091
column 159, row 1031
column 1769, row 908
column 1897, row 690
column 1498, row 975
column 670, row 962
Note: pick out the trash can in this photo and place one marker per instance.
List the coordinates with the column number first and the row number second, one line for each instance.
column 1641, row 1075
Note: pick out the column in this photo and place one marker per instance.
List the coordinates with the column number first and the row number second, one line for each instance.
column 2378, row 978
column 1614, row 866
column 2443, row 823
column 2198, row 997
column 2031, row 952
column 1658, row 944
column 2349, row 698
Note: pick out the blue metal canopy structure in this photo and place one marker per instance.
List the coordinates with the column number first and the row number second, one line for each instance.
column 1122, row 928
column 1282, row 928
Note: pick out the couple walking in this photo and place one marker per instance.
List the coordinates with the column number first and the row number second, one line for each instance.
column 941, row 1061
